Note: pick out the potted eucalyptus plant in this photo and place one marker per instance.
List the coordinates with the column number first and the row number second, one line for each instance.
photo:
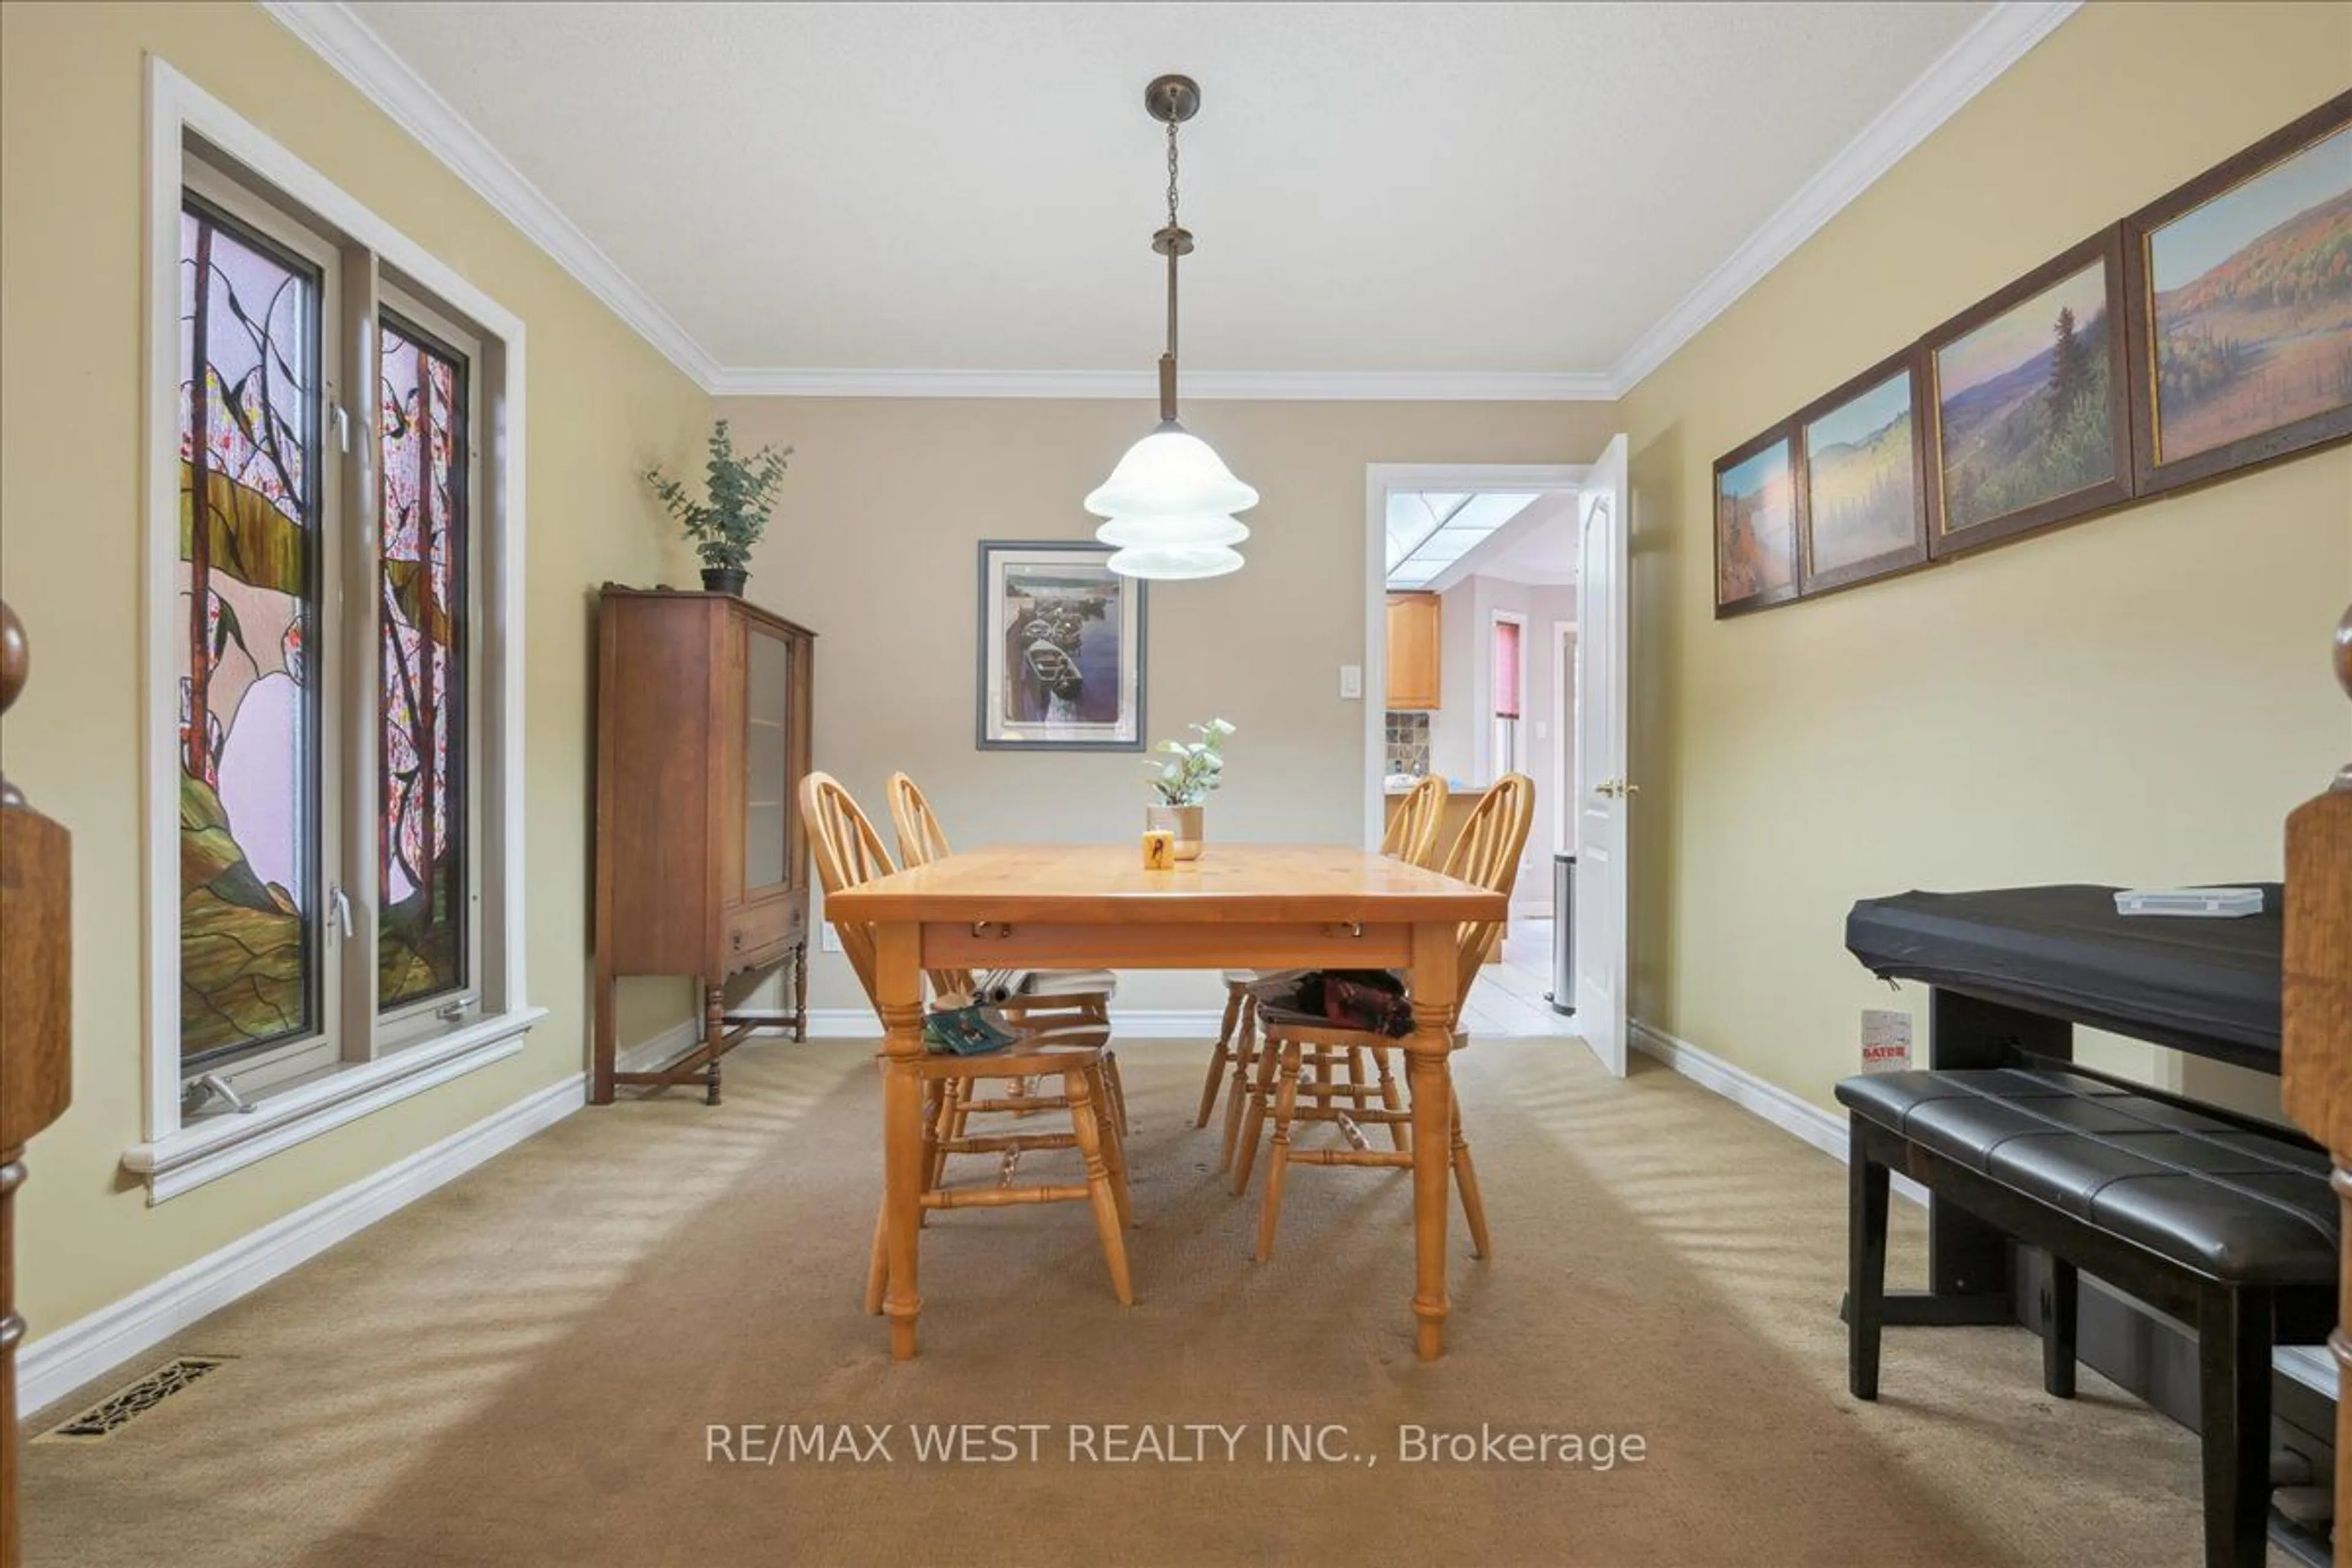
column 742, row 492
column 1189, row 773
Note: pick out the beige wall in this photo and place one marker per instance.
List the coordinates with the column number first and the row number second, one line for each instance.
column 874, row 546
column 72, row 89
column 2139, row 699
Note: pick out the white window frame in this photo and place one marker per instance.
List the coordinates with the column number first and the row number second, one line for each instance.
column 174, row 1157
column 399, row 1028
column 251, row 214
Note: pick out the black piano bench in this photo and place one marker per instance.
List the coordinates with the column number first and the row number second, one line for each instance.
column 2226, row 1224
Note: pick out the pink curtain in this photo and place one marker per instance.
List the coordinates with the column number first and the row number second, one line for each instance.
column 1507, row 669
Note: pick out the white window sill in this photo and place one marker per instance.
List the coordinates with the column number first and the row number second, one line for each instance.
column 215, row 1145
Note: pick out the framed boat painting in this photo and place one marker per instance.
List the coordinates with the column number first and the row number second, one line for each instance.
column 2024, row 393
column 1863, row 499
column 1061, row 650
column 2241, row 320
column 1756, row 525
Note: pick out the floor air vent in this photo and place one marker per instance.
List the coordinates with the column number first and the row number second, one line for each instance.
column 125, row 1405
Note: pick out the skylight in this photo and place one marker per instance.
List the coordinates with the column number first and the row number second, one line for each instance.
column 1428, row 532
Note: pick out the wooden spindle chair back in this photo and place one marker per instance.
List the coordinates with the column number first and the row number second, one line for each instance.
column 849, row 854
column 1412, row 834
column 1487, row 855
column 922, row 840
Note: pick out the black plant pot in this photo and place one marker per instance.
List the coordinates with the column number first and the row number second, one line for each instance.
column 723, row 580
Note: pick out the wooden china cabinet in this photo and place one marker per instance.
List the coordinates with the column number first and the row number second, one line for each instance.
column 702, row 739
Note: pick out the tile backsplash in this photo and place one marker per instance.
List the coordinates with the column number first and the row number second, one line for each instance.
column 1408, row 744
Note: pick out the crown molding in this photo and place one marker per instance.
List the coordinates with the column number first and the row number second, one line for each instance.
column 1253, row 386
column 1996, row 42
column 335, row 33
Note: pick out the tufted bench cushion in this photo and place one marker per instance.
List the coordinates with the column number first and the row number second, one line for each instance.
column 2215, row 1196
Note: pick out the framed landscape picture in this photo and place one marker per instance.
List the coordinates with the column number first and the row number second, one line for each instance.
column 1863, row 499
column 2025, row 403
column 1061, row 650
column 1756, row 525
column 2241, row 320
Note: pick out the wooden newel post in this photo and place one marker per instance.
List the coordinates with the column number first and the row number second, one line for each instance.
column 35, row 1034
column 2317, row 1032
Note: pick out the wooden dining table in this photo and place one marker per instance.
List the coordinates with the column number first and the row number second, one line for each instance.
column 1239, row 906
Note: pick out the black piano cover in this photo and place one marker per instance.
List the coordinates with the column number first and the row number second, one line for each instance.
column 2065, row 947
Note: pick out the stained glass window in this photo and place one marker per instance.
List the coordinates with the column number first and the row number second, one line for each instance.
column 250, row 773
column 422, row 585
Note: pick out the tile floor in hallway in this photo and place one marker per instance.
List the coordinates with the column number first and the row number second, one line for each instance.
column 1510, row 999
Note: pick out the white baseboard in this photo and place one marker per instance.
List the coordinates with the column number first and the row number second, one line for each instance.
column 1133, row 1024
column 1825, row 1130
column 55, row 1364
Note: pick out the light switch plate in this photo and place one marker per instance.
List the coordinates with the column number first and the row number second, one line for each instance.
column 1352, row 681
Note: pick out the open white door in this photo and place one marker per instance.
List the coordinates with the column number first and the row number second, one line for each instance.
column 1603, row 792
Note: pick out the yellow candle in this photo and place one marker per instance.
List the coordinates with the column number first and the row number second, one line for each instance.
column 1159, row 850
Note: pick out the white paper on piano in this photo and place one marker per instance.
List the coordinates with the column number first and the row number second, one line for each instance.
column 2223, row 903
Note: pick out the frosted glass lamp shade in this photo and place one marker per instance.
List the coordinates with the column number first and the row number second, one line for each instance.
column 1168, row 508
column 1170, row 473
column 1175, row 561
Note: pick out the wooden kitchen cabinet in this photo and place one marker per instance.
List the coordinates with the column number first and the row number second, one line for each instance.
column 1414, row 667
column 702, row 739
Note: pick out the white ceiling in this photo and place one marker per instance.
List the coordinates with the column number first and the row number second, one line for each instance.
column 1385, row 188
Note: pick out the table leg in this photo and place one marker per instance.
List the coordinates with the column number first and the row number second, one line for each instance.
column 1435, row 996
column 898, row 984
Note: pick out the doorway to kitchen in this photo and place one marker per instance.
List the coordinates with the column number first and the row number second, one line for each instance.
column 1470, row 589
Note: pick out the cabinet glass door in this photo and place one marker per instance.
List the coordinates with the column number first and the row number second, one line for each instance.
column 767, row 758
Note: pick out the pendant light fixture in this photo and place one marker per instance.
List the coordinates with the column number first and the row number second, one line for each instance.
column 1169, row 506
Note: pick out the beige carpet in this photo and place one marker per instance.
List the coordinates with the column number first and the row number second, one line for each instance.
column 521, row 1369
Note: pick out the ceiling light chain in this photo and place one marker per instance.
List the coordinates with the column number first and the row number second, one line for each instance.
column 1169, row 502
column 1171, row 175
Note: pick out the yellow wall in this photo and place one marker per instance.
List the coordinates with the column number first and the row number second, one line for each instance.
column 601, row 402
column 2139, row 698
column 875, row 546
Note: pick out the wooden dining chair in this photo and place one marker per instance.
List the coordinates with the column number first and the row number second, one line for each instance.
column 1042, row 997
column 1411, row 835
column 848, row 853
column 1294, row 1083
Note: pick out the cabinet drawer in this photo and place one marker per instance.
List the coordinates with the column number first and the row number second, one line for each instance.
column 754, row 931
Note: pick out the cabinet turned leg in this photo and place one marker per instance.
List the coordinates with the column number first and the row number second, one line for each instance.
column 600, row 1089
column 714, row 1029
column 800, row 993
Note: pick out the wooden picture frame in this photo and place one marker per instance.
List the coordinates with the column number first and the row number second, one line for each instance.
column 1768, row 574
column 1068, row 681
column 1901, row 527
column 2244, row 403
column 2058, row 462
